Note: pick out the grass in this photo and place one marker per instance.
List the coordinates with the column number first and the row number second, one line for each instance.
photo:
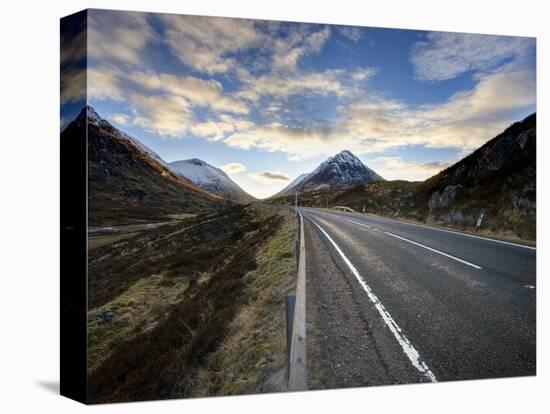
column 200, row 307
column 255, row 346
column 140, row 308
column 106, row 239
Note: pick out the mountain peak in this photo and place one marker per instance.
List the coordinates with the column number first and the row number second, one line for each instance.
column 88, row 113
column 346, row 156
column 343, row 170
column 196, row 161
column 345, row 153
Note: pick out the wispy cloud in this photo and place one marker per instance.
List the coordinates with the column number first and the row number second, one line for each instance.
column 73, row 85
column 270, row 177
column 197, row 91
column 121, row 119
column 376, row 123
column 233, row 167
column 393, row 168
column 351, row 32
column 208, row 43
column 118, row 36
column 443, row 56
column 301, row 42
column 167, row 116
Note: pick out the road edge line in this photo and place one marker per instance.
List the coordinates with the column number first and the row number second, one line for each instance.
column 408, row 349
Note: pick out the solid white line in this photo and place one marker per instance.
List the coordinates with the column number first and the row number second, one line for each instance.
column 433, row 250
column 407, row 347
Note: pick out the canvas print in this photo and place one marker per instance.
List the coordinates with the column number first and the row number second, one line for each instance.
column 282, row 206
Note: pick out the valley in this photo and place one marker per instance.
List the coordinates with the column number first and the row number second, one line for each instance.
column 187, row 272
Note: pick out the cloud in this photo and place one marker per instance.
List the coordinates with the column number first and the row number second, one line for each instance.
column 283, row 86
column 121, row 119
column 363, row 74
column 393, row 168
column 270, row 177
column 302, row 41
column 106, row 83
column 445, row 56
column 73, row 85
column 351, row 32
column 217, row 130
column 117, row 36
column 73, row 42
column 197, row 91
column 165, row 115
column 180, row 92
column 207, row 44
column 233, row 167
column 376, row 123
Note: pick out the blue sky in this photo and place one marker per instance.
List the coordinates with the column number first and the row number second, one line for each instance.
column 256, row 97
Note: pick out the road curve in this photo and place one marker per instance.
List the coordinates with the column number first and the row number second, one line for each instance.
column 454, row 306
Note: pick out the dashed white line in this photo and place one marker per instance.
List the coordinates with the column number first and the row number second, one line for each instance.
column 460, row 234
column 406, row 346
column 359, row 224
column 433, row 250
column 417, row 244
column 445, row 230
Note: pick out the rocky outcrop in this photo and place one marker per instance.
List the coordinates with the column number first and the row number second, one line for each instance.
column 444, row 198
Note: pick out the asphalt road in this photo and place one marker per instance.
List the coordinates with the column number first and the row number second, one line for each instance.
column 441, row 305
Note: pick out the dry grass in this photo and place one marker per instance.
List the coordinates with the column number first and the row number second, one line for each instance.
column 204, row 316
column 103, row 240
column 254, row 347
column 140, row 309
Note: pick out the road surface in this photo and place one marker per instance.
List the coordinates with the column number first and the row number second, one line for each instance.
column 435, row 305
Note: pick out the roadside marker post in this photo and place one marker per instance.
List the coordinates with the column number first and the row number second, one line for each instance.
column 479, row 220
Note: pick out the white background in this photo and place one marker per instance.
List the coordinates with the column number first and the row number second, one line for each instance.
column 29, row 204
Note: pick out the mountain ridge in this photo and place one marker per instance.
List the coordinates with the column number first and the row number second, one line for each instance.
column 127, row 182
column 212, row 179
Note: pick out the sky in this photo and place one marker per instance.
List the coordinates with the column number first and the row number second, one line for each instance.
column 267, row 101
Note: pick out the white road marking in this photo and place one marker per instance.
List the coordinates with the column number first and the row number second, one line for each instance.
column 407, row 347
column 461, row 234
column 418, row 244
column 529, row 286
column 447, row 231
column 433, row 250
column 359, row 224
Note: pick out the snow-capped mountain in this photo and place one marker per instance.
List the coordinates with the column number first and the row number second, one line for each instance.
column 211, row 179
column 344, row 170
column 127, row 182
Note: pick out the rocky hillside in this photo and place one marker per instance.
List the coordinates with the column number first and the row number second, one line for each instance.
column 344, row 170
column 128, row 183
column 212, row 179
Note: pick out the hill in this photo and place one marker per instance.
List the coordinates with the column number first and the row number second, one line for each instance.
column 127, row 182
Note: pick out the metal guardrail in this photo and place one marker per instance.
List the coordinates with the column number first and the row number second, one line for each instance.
column 296, row 319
